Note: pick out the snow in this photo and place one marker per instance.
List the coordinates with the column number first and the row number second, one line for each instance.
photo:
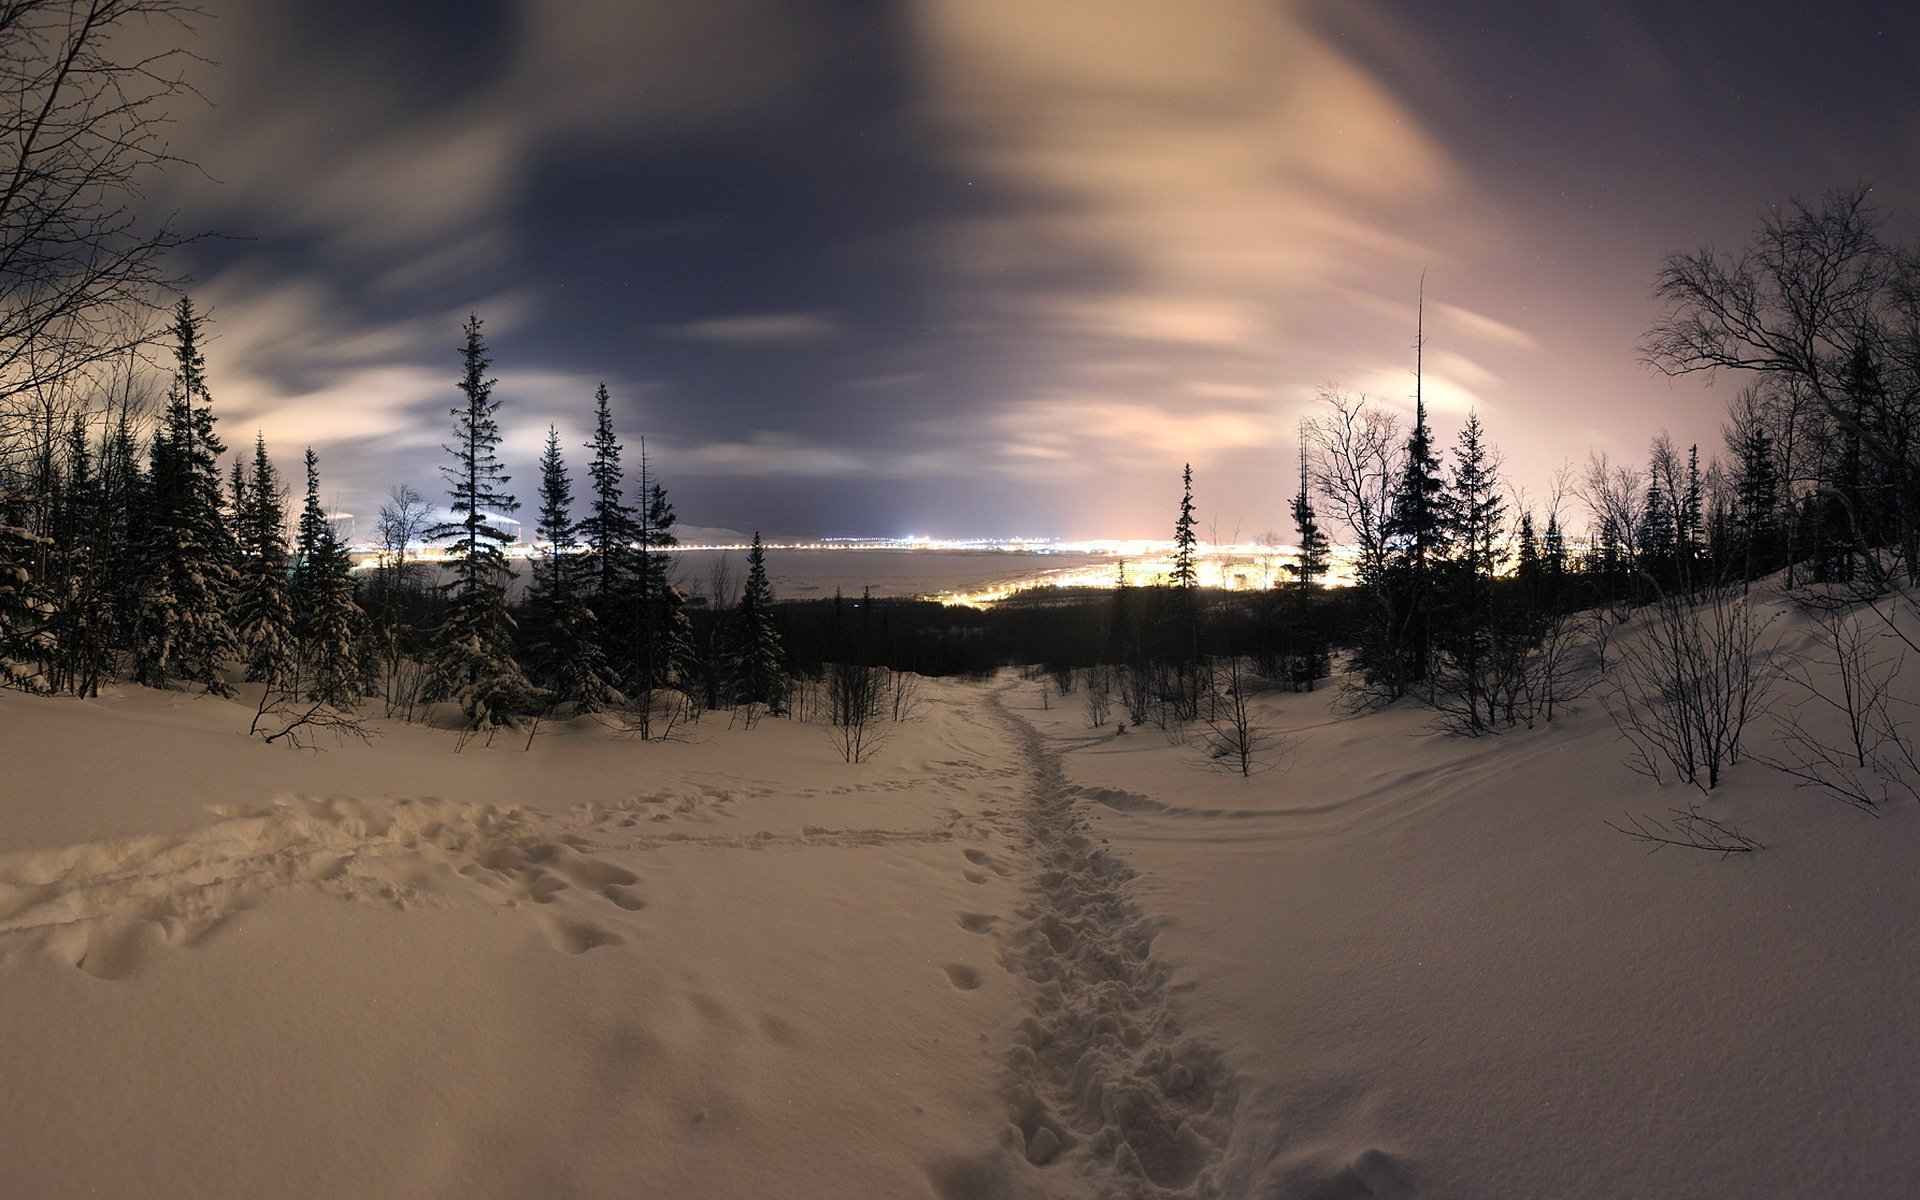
column 1009, row 956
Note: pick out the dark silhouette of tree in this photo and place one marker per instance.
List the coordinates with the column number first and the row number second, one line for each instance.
column 565, row 657
column 1813, row 292
column 187, row 573
column 1185, row 541
column 1475, row 516
column 327, row 623
column 759, row 672
column 609, row 529
column 474, row 664
column 662, row 632
column 86, row 88
column 262, row 616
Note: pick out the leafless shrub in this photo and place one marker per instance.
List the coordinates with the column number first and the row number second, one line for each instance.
column 1840, row 732
column 903, row 695
column 1136, row 691
column 658, row 715
column 1236, row 738
column 1690, row 829
column 1686, row 688
column 279, row 717
column 1097, row 688
column 1063, row 680
column 857, row 700
column 1524, row 676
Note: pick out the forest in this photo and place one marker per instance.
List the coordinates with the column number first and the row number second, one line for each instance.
column 135, row 547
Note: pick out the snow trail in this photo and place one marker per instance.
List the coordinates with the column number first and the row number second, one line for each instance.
column 1105, row 1087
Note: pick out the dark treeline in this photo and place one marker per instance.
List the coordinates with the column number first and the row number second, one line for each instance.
column 128, row 551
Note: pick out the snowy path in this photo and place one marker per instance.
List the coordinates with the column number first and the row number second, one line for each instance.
column 1105, row 1091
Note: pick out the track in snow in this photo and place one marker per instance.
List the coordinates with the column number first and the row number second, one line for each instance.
column 1106, row 1090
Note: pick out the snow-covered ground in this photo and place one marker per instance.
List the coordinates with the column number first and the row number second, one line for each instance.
column 1009, row 956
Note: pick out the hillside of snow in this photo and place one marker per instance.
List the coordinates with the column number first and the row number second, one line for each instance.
column 1010, row 956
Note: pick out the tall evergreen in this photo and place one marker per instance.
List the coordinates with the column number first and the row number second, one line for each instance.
column 473, row 662
column 77, row 573
column 1311, row 560
column 1184, row 540
column 662, row 631
column 1304, row 639
column 186, row 577
column 262, row 615
column 565, row 656
column 1416, row 536
column 327, row 622
column 1757, row 503
column 608, row 531
column 759, row 676
column 1475, row 520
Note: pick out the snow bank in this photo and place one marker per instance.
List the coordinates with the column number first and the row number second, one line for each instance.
column 1011, row 956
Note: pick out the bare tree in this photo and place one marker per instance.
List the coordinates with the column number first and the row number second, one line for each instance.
column 1814, row 295
column 1097, row 689
column 83, row 113
column 856, row 705
column 1690, row 829
column 1840, row 732
column 1236, row 737
column 1685, row 689
column 281, row 717
column 1354, row 448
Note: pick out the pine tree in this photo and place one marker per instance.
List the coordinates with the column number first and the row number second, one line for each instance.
column 327, row 622
column 1474, row 520
column 1416, row 533
column 1757, row 512
column 1310, row 563
column 1184, row 539
column 609, row 528
column 186, row 572
column 663, row 634
column 262, row 615
column 1553, row 565
column 1657, row 534
column 1304, row 639
column 473, row 663
column 1688, row 531
column 77, row 577
column 758, row 674
column 565, row 656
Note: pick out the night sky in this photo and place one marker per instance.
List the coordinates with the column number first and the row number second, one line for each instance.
column 997, row 267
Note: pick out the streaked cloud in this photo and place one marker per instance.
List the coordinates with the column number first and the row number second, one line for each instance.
column 757, row 328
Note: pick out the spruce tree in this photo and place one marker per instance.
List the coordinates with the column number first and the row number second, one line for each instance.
column 608, row 531
column 186, row 578
column 565, row 656
column 473, row 662
column 327, row 622
column 1311, row 560
column 757, row 653
column 1757, row 496
column 1474, row 513
column 663, row 634
column 77, row 573
column 262, row 615
column 1305, row 638
column 1184, row 540
column 1400, row 653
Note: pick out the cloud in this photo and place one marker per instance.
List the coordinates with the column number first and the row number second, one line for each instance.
column 758, row 329
column 1484, row 328
column 766, row 454
column 1182, row 191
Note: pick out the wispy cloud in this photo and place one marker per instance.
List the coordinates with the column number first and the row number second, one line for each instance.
column 758, row 328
